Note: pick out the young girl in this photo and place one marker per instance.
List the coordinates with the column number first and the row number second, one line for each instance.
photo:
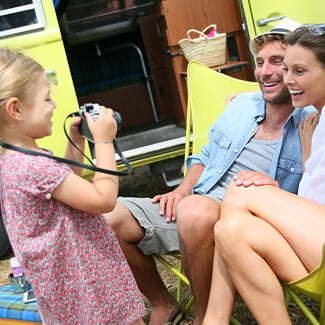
column 53, row 216
column 267, row 235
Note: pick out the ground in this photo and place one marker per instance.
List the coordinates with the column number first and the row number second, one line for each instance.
column 144, row 184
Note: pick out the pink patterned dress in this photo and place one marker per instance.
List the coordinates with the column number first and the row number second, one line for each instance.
column 71, row 258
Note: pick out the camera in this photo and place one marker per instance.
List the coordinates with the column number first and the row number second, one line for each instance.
column 93, row 110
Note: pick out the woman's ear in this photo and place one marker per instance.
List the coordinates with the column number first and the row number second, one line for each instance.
column 13, row 109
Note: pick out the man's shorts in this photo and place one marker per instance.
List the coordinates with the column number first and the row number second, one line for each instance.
column 160, row 236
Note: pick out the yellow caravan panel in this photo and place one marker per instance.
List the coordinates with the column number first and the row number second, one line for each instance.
column 263, row 15
column 44, row 44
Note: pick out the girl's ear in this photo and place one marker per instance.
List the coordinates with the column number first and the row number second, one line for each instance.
column 13, row 109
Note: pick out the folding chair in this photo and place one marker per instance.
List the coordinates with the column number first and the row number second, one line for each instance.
column 208, row 92
column 312, row 286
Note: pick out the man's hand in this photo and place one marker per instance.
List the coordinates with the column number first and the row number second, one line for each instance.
column 248, row 177
column 168, row 203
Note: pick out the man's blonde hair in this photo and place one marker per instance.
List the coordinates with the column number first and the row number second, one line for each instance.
column 259, row 42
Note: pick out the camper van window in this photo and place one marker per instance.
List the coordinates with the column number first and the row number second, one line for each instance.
column 19, row 16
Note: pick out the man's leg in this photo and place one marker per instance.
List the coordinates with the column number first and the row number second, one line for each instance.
column 129, row 234
column 196, row 217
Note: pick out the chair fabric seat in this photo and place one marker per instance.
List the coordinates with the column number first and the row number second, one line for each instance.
column 313, row 286
column 314, row 283
column 12, row 306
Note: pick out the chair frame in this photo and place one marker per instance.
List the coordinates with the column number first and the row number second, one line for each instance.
column 291, row 295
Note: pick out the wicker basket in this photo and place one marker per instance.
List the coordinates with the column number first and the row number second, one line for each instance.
column 210, row 51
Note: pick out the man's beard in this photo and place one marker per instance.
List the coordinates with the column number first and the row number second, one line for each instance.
column 282, row 98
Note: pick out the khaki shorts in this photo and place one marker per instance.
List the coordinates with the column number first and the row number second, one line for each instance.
column 160, row 237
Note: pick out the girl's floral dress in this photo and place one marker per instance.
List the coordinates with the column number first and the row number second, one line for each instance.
column 71, row 258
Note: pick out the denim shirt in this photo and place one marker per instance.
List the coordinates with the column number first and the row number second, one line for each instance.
column 232, row 131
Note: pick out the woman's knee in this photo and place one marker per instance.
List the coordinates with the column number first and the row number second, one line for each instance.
column 233, row 194
column 228, row 233
column 238, row 198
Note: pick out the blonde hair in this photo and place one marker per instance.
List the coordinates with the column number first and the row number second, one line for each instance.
column 259, row 42
column 17, row 75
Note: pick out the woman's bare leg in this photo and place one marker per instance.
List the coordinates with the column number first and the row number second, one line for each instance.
column 222, row 294
column 301, row 222
column 257, row 253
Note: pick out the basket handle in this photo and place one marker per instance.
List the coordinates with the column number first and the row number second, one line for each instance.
column 213, row 26
column 201, row 34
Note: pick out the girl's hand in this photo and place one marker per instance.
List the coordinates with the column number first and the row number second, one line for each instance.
column 71, row 152
column 74, row 133
column 105, row 127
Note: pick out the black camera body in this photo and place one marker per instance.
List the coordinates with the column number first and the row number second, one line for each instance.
column 93, row 110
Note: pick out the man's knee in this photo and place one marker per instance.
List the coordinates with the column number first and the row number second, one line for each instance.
column 124, row 224
column 196, row 216
column 118, row 216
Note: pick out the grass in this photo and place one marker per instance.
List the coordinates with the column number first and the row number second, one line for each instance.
column 241, row 313
column 144, row 184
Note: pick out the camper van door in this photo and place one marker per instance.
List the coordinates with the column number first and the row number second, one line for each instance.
column 261, row 16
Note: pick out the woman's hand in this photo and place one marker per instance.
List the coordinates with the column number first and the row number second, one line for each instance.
column 306, row 131
column 248, row 177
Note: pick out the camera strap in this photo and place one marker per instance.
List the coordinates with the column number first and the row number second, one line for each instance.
column 73, row 162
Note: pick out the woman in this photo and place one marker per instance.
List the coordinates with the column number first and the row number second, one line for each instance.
column 267, row 235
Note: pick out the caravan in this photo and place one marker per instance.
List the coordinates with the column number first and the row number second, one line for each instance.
column 125, row 55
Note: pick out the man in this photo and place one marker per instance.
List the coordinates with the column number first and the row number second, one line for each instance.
column 257, row 131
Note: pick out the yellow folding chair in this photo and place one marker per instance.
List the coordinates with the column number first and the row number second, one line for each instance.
column 208, row 92
column 312, row 286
